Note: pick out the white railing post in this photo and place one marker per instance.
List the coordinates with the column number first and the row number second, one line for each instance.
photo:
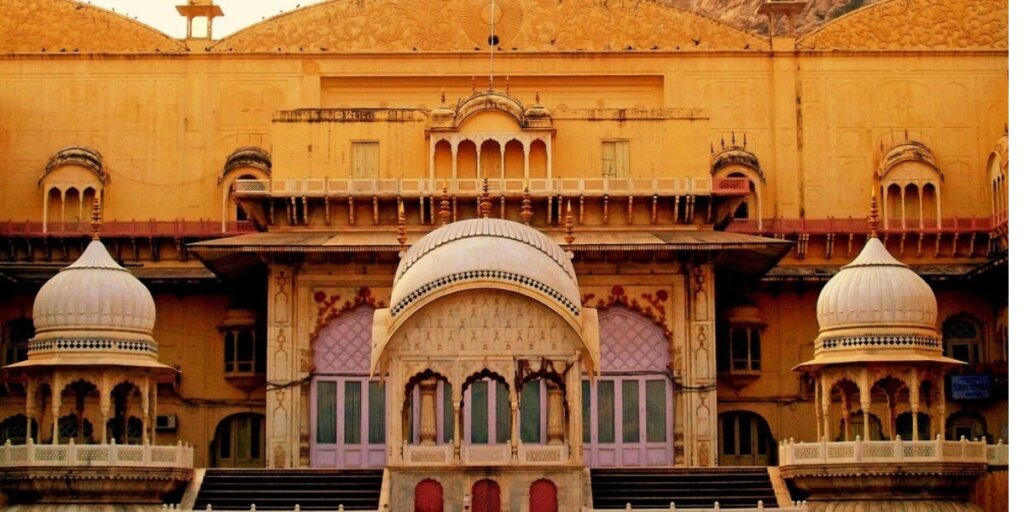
column 898, row 448
column 760, row 505
column 72, row 453
column 30, row 451
column 857, row 447
column 963, row 448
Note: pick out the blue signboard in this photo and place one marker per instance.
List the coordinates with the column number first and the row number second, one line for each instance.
column 971, row 387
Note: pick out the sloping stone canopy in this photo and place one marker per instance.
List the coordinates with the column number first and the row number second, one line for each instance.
column 916, row 25
column 463, row 25
column 69, row 27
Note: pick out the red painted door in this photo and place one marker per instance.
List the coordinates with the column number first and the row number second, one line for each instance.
column 486, row 496
column 429, row 496
column 543, row 496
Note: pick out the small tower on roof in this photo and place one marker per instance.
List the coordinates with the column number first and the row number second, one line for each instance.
column 199, row 10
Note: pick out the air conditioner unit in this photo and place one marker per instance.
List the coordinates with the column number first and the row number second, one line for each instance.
column 166, row 422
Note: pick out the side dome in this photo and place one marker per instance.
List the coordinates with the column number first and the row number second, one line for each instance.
column 94, row 298
column 876, row 292
column 486, row 250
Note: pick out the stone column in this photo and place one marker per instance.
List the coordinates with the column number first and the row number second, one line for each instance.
column 817, row 408
column 846, row 416
column 865, row 407
column 699, row 347
column 940, row 393
column 55, row 403
column 428, row 411
column 457, row 427
column 825, row 404
column 556, row 414
column 30, row 405
column 283, row 366
column 104, row 412
column 146, row 418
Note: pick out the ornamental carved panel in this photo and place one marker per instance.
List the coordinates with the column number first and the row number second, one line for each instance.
column 477, row 321
column 917, row 24
column 464, row 25
column 37, row 26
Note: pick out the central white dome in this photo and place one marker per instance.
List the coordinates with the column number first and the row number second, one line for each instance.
column 488, row 250
column 876, row 291
column 94, row 298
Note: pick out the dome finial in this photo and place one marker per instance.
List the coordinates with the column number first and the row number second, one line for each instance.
column 445, row 212
column 527, row 211
column 402, row 238
column 873, row 216
column 569, row 227
column 97, row 221
column 485, row 200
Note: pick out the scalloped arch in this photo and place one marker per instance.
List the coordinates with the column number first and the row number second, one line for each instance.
column 439, row 25
column 916, row 25
column 67, row 26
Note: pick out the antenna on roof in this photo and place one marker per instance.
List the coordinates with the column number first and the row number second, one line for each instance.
column 492, row 41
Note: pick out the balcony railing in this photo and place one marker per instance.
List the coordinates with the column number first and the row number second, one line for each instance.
column 797, row 507
column 936, row 450
column 485, row 454
column 116, row 455
column 832, row 225
column 127, row 229
column 472, row 187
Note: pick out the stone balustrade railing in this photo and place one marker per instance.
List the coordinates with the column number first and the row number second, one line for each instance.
column 793, row 453
column 71, row 454
column 796, row 507
column 330, row 187
column 485, row 454
column 799, row 507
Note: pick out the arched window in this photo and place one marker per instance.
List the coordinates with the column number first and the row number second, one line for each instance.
column 17, row 332
column 744, row 439
column 905, row 426
column 13, row 429
column 347, row 408
column 857, row 427
column 734, row 160
column 961, row 336
column 627, row 418
column 543, row 496
column 73, row 177
column 739, row 346
column 967, row 424
column 429, row 496
column 71, row 427
column 238, row 442
column 245, row 163
column 487, row 417
column 911, row 182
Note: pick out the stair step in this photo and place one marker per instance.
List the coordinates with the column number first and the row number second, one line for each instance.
column 688, row 488
column 239, row 489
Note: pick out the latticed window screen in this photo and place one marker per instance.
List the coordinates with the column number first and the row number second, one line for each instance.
column 529, row 412
column 586, row 411
column 365, row 160
column 478, row 392
column 377, row 392
column 615, row 158
column 605, row 412
column 962, row 339
column 656, row 419
column 630, row 411
column 326, row 412
column 353, row 412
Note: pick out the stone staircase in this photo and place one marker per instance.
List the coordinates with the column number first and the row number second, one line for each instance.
column 686, row 487
column 239, row 489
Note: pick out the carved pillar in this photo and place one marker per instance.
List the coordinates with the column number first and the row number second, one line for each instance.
column 455, row 162
column 846, row 415
column 825, row 404
column 156, row 412
column 915, row 401
column 574, row 391
column 556, row 415
column 105, row 392
column 864, row 387
column 428, row 411
column 526, row 162
column 283, row 407
column 940, row 393
column 817, row 408
column 30, row 405
column 701, row 407
column 457, row 426
column 55, row 403
column 145, row 410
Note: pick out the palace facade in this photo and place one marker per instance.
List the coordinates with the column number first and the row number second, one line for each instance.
column 511, row 241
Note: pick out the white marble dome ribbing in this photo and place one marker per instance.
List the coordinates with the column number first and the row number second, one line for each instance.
column 485, row 249
column 94, row 297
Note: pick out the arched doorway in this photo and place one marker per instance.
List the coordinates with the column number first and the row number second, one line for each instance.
column 429, row 496
column 543, row 496
column 486, row 496
column 486, row 411
column 744, row 439
column 238, row 442
column 627, row 418
column 347, row 408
